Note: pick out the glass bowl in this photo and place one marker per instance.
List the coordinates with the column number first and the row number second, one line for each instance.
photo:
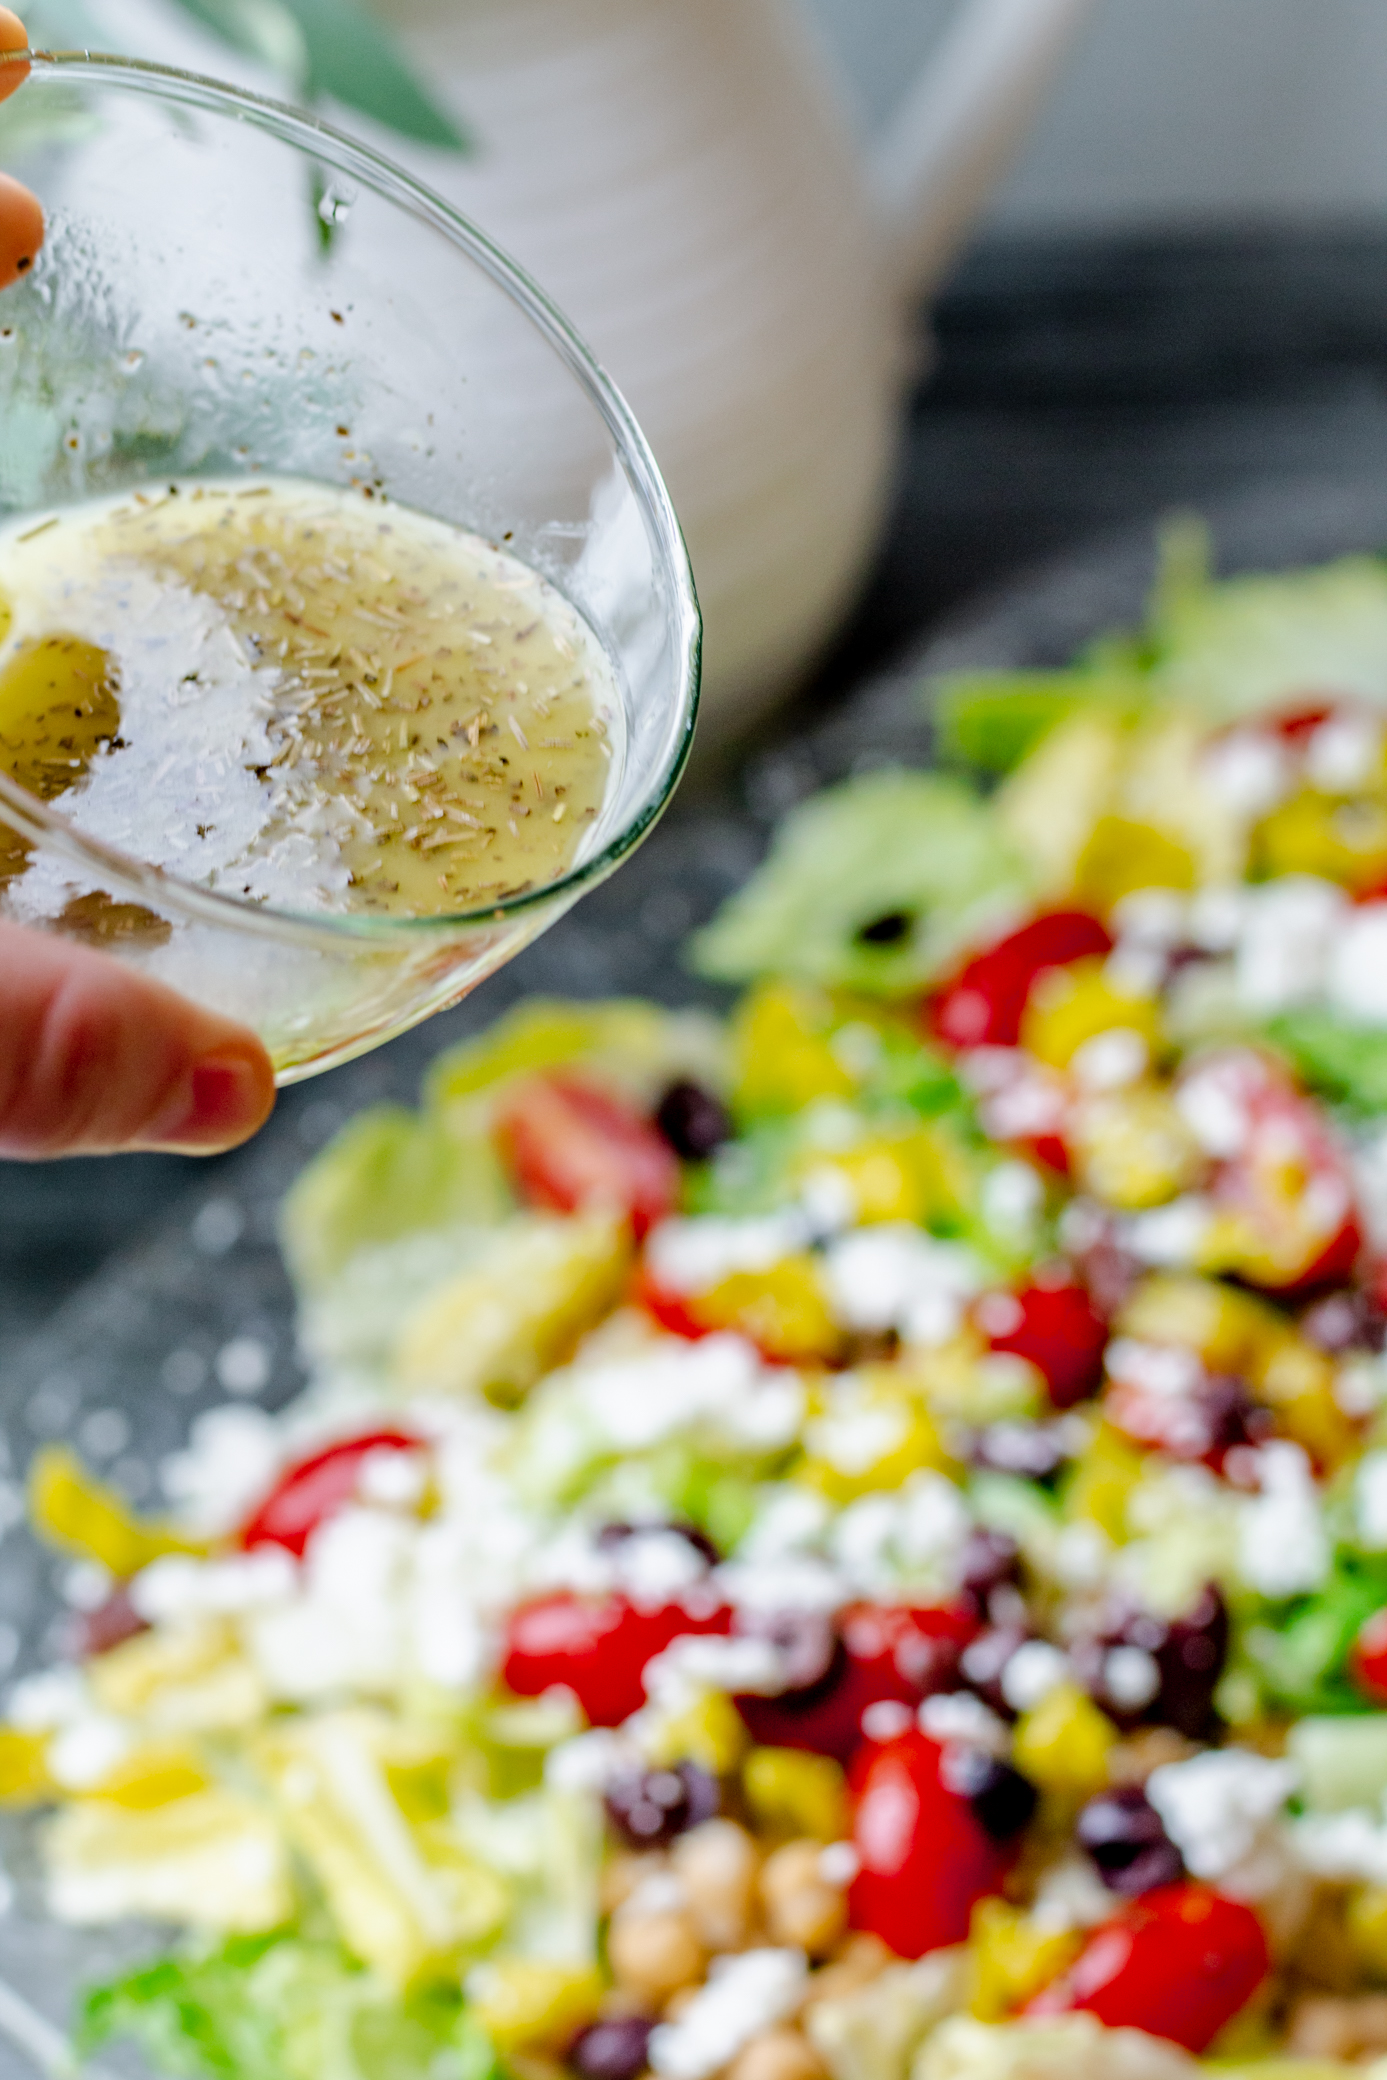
column 230, row 287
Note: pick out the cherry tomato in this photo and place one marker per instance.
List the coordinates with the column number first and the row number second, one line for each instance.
column 1054, row 1324
column 572, row 1145
column 676, row 1312
column 596, row 1646
column 308, row 1494
column 1283, row 1191
column 1179, row 1963
column 1368, row 1661
column 882, row 1653
column 925, row 1856
column 1298, row 725
column 982, row 1006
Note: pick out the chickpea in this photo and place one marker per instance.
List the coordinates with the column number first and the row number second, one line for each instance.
column 861, row 1959
column 717, row 1865
column 777, row 2054
column 802, row 1908
column 655, row 1954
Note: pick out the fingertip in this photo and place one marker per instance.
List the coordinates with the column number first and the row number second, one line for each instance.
column 224, row 1098
column 21, row 230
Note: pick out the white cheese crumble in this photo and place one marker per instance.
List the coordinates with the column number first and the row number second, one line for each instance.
column 1345, row 752
column 1283, row 1547
column 1131, row 1677
column 86, row 1750
column 1357, row 980
column 1370, row 1501
column 1248, row 770
column 1033, row 1671
column 720, row 1381
column 743, row 1996
column 1167, row 1236
column 1342, row 1846
column 1217, row 1807
column 179, row 1586
column 895, row 1276
column 692, row 1256
column 231, row 1461
column 1112, row 1060
column 957, row 1715
column 1288, row 929
column 886, row 1541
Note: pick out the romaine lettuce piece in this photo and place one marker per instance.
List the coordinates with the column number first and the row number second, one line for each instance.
column 874, row 885
column 1344, row 1063
column 284, row 2008
column 389, row 1172
column 1260, row 642
column 991, row 720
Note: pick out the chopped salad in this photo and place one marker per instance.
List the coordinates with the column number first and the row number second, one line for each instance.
column 848, row 1543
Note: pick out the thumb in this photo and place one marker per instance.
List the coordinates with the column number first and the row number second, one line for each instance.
column 94, row 1057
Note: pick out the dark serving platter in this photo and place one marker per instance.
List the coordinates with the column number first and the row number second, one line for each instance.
column 203, row 1306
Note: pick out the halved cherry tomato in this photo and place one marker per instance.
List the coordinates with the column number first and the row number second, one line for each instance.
column 925, row 1856
column 1285, row 1215
column 1297, row 725
column 1368, row 1661
column 317, row 1488
column 982, row 1006
column 598, row 1647
column 1179, row 1963
column 571, row 1146
column 882, row 1653
column 1054, row 1324
column 677, row 1312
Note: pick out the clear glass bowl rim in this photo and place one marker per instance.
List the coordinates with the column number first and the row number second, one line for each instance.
column 44, row 825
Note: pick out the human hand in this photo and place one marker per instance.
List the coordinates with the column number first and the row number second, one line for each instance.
column 21, row 219
column 94, row 1057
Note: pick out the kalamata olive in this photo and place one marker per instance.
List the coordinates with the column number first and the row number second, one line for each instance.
column 616, row 1534
column 1109, row 1271
column 650, row 1807
column 887, row 930
column 1122, row 1832
column 983, row 1660
column 613, row 2050
column 109, row 1625
column 989, row 1558
column 1002, row 1799
column 693, row 1121
column 1191, row 1660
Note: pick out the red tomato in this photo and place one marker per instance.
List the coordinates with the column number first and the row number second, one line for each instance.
column 1368, row 1661
column 1179, row 1963
column 675, row 1312
column 597, row 1647
column 982, row 1006
column 896, row 1653
column 571, row 1145
column 925, row 1860
column 1054, row 1324
column 1283, row 1186
column 1296, row 725
column 308, row 1494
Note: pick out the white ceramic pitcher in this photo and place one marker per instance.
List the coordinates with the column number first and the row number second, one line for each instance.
column 680, row 176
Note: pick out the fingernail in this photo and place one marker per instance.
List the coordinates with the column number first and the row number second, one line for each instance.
column 220, row 1102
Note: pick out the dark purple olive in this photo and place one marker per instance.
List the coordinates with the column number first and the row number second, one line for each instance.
column 1229, row 1415
column 693, row 1121
column 1109, row 1272
column 613, row 2050
column 887, row 930
column 1191, row 1659
column 982, row 1661
column 1345, row 1322
column 1122, row 1832
column 617, row 1534
column 988, row 1559
column 1003, row 1801
column 650, row 1807
column 109, row 1625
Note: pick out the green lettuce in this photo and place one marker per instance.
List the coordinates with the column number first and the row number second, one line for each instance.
column 281, row 2007
column 874, row 885
column 991, row 720
column 1345, row 1063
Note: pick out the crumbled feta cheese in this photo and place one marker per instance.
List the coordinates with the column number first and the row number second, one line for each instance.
column 1152, row 916
column 692, row 1256
column 1283, row 1547
column 854, row 1434
column 743, row 1996
column 1357, row 981
column 1343, row 1846
column 1167, row 1236
column 883, row 1542
column 86, row 1750
column 1248, row 770
column 50, row 1698
column 698, row 1662
column 1215, row 917
column 1071, row 1895
column 720, row 1381
column 839, row 1864
column 1345, row 752
column 788, row 1582
column 589, row 1761
column 231, row 1460
column 1111, row 1060
column 1217, row 1806
column 1032, row 1672
column 829, row 1200
column 393, row 1479
column 1370, row 1501
column 1162, row 1369
column 1212, row 1101
column 893, row 1276
column 179, row 1586
column 348, row 1626
column 1288, row 929
column 1131, row 1677
column 1012, row 1197
column 886, row 1719
column 788, row 1520
column 957, row 1715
